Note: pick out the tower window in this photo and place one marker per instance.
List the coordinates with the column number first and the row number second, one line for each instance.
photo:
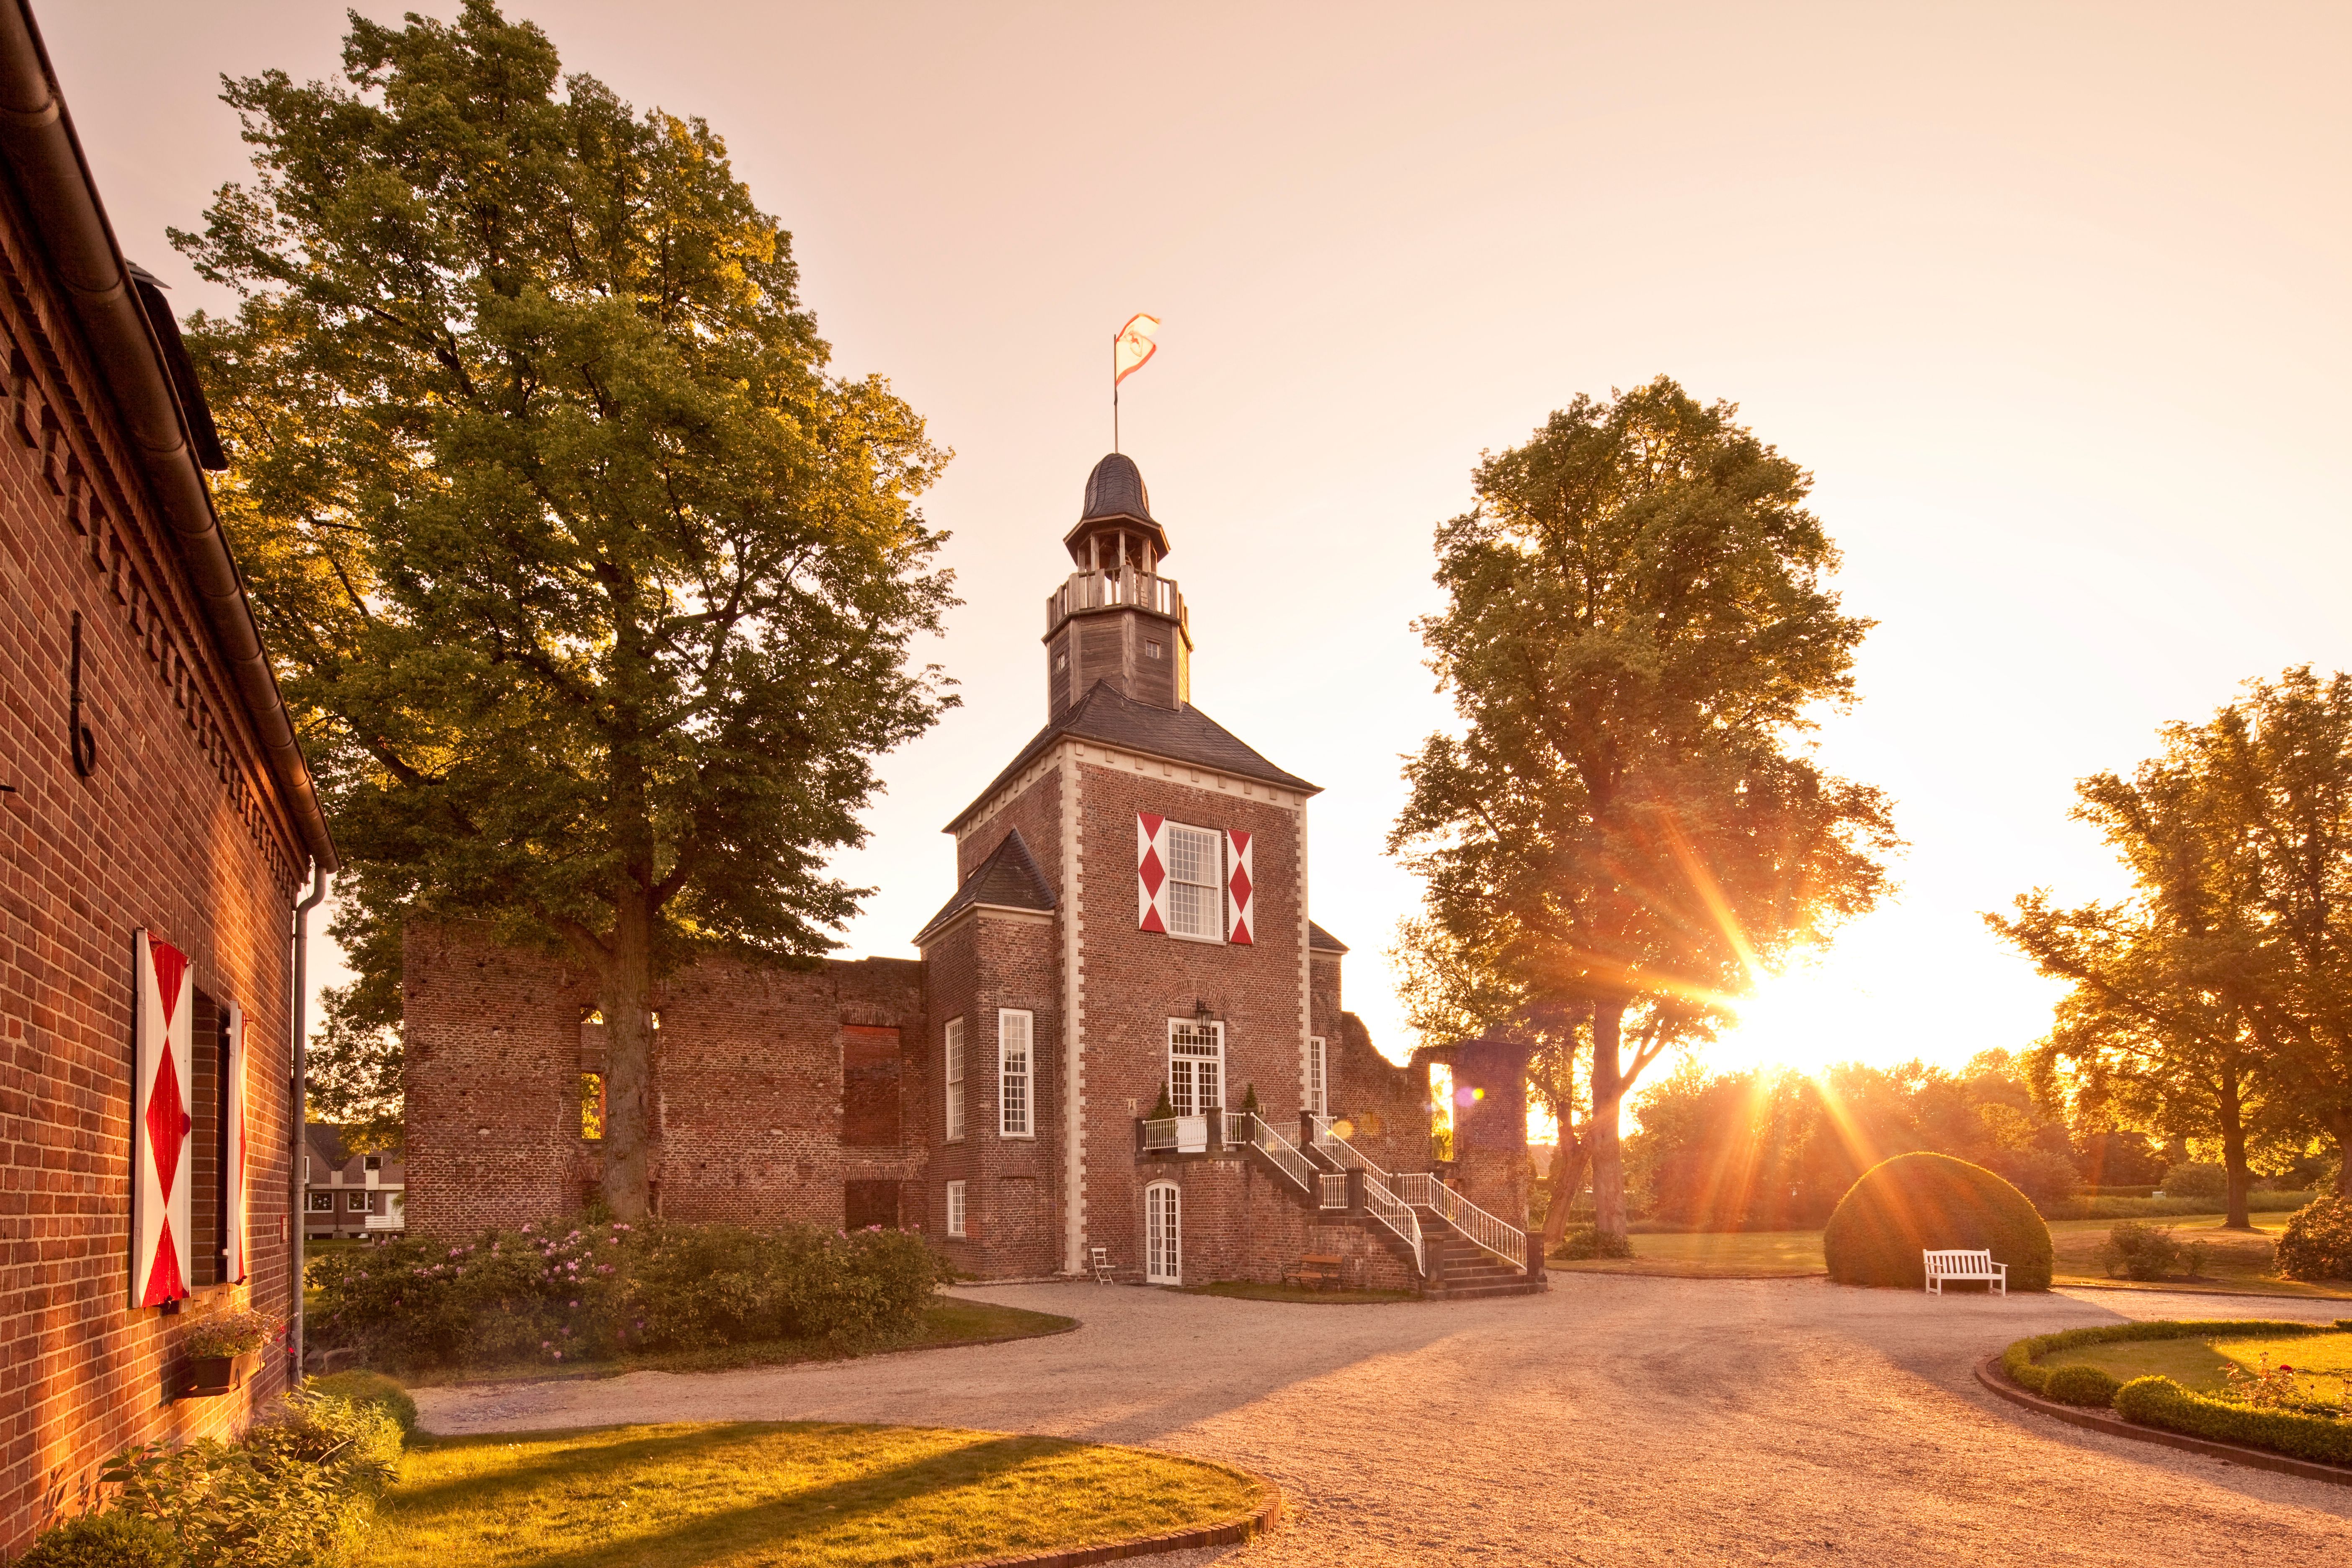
column 1151, row 651
column 1061, row 660
column 1195, row 866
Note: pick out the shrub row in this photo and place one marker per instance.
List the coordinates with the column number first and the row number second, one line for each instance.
column 590, row 1292
column 295, row 1491
column 2160, row 1401
column 1588, row 1241
column 2105, row 1207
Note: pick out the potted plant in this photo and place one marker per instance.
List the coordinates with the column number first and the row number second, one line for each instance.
column 213, row 1345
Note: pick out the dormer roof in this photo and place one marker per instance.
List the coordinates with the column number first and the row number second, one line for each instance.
column 1009, row 878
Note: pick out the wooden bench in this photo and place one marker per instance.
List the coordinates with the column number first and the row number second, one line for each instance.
column 1958, row 1265
column 1318, row 1271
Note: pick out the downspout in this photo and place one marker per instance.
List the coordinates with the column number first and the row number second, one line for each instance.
column 297, row 1215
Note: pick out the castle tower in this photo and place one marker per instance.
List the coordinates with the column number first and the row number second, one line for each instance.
column 1130, row 920
column 1117, row 619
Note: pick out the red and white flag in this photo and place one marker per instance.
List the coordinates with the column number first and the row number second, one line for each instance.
column 1133, row 346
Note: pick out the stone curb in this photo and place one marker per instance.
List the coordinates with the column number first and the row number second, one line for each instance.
column 1233, row 1532
column 1989, row 1373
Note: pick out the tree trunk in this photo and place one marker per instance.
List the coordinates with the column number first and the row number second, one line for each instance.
column 1568, row 1163
column 1600, row 1136
column 2233, row 1151
column 2339, row 1123
column 625, row 991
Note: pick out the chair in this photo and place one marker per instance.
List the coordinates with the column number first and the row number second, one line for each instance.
column 1101, row 1257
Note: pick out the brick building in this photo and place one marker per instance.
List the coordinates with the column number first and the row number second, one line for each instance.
column 1129, row 925
column 346, row 1194
column 157, row 830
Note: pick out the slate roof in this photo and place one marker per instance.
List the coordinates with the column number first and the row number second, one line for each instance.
column 1180, row 734
column 1116, row 489
column 1321, row 940
column 1008, row 878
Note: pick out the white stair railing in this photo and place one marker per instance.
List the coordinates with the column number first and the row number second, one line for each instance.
column 1397, row 1214
column 1345, row 1152
column 1507, row 1242
column 1334, row 1185
column 1258, row 1135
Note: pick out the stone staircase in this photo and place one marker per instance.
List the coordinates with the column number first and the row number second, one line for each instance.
column 1462, row 1271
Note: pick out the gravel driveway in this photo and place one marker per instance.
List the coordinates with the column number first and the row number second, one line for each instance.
column 1613, row 1421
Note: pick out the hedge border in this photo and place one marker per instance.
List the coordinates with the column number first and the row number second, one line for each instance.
column 2014, row 1375
column 1989, row 1373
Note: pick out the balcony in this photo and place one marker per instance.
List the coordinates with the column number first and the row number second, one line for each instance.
column 1122, row 588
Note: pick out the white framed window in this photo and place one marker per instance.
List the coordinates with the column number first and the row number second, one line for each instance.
column 356, row 1202
column 955, row 1076
column 1318, row 1091
column 322, row 1203
column 1195, row 869
column 1196, row 1065
column 1014, row 1072
column 1163, row 1237
column 955, row 1209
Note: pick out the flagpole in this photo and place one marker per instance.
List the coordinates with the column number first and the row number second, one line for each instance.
column 1114, row 393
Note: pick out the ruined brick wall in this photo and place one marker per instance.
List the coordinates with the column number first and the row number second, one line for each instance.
column 1135, row 981
column 178, row 828
column 1491, row 1164
column 748, row 1083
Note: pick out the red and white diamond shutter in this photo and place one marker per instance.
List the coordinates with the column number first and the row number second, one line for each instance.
column 163, row 1039
column 1241, row 893
column 234, row 1197
column 1151, row 872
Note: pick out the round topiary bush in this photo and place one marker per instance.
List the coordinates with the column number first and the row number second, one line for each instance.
column 104, row 1541
column 1903, row 1207
column 2318, row 1241
column 2084, row 1385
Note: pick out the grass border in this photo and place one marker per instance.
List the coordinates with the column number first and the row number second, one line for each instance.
column 1990, row 1372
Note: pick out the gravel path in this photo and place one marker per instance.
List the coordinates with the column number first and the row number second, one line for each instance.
column 1613, row 1421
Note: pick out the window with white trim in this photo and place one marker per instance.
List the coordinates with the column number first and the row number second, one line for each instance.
column 322, row 1203
column 1195, row 898
column 1163, row 1235
column 955, row 1076
column 1196, row 1065
column 356, row 1202
column 1318, row 1093
column 1014, row 1028
column 956, row 1209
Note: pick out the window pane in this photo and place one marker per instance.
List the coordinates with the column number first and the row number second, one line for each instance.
column 1013, row 1030
column 955, row 1077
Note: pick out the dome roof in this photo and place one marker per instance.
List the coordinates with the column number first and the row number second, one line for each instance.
column 1116, row 489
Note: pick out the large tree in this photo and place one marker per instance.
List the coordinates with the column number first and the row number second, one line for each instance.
column 2216, row 1002
column 593, row 589
column 1626, row 830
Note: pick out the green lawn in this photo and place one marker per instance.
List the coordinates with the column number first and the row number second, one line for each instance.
column 764, row 1495
column 949, row 1320
column 1245, row 1290
column 2198, row 1363
column 2237, row 1262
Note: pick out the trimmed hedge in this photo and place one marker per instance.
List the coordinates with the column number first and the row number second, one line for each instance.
column 2084, row 1385
column 1913, row 1202
column 2160, row 1401
column 2319, row 1242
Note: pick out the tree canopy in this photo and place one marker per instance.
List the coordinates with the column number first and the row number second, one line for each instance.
column 595, row 592
column 2212, row 1004
column 1626, row 829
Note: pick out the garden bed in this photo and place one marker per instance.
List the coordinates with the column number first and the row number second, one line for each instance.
column 732, row 1495
column 2205, row 1386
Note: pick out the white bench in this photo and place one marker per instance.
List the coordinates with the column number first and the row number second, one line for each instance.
column 1953, row 1265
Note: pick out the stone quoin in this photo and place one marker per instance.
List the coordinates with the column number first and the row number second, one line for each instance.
column 1130, row 923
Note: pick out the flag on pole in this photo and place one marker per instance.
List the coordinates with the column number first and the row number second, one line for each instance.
column 1133, row 346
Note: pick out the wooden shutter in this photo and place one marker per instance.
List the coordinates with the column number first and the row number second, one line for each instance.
column 163, row 1039
column 235, row 1180
column 1151, row 872
column 1241, row 893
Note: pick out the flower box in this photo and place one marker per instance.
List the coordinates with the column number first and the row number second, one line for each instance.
column 210, row 1376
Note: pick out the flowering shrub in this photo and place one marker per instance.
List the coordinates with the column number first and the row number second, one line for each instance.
column 2137, row 1251
column 2282, row 1387
column 568, row 1292
column 2318, row 1241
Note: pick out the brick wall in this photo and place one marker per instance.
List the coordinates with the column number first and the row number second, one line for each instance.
column 179, row 829
column 748, row 1064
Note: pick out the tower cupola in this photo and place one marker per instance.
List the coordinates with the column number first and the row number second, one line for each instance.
column 1117, row 619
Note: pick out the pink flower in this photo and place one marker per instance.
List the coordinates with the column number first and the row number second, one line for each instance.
column 574, row 1304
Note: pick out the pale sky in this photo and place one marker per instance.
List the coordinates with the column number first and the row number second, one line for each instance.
column 2051, row 300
